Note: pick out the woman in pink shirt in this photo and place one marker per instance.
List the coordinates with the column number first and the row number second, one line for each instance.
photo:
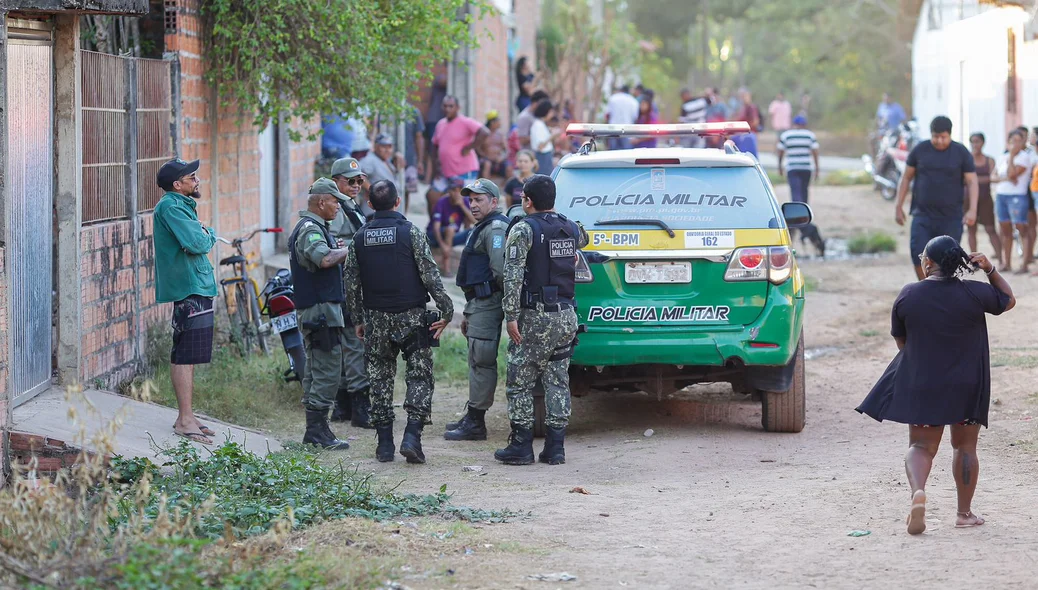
column 781, row 112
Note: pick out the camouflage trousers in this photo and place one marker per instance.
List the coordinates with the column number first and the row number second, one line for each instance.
column 387, row 336
column 543, row 333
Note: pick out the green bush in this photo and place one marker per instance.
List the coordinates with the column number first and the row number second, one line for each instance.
column 872, row 243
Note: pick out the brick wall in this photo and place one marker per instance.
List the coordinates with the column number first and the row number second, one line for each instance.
column 302, row 156
column 491, row 69
column 118, row 305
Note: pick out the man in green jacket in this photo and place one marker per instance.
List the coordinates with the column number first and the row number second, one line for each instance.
column 184, row 276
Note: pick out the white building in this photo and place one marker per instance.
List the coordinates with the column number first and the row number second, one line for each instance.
column 976, row 61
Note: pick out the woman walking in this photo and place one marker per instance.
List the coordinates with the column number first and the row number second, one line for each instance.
column 1012, row 204
column 941, row 376
column 985, row 204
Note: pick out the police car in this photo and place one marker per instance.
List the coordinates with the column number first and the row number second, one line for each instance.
column 689, row 276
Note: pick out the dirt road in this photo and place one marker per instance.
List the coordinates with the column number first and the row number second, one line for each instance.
column 711, row 501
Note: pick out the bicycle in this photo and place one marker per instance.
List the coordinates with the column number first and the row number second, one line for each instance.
column 243, row 310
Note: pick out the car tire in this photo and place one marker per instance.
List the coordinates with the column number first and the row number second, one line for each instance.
column 786, row 411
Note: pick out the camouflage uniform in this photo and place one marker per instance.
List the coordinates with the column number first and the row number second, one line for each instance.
column 354, row 375
column 386, row 334
column 542, row 333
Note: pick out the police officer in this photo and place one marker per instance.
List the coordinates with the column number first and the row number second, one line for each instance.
column 315, row 261
column 481, row 276
column 540, row 262
column 391, row 272
column 351, row 401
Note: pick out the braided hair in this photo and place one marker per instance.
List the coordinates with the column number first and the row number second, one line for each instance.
column 949, row 256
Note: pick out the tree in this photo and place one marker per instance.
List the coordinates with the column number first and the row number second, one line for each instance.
column 581, row 50
column 304, row 58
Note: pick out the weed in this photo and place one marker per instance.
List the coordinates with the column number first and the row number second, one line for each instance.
column 1023, row 361
column 776, row 178
column 869, row 333
column 872, row 243
column 126, row 523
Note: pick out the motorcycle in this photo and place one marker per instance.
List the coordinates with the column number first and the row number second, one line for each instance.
column 888, row 165
column 279, row 306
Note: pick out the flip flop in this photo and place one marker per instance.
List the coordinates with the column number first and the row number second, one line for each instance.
column 197, row 437
column 916, row 520
column 980, row 520
column 203, row 428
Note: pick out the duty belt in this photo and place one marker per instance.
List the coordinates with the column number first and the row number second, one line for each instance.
column 562, row 306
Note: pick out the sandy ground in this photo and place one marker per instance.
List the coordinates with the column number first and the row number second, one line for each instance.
column 712, row 501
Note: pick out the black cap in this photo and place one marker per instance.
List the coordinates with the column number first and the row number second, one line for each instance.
column 173, row 171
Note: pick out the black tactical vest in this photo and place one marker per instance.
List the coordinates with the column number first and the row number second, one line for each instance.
column 388, row 272
column 475, row 276
column 551, row 263
column 323, row 285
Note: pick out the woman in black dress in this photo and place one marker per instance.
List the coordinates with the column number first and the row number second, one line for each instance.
column 941, row 376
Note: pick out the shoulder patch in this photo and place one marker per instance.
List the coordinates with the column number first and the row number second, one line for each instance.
column 314, row 237
column 498, row 242
column 513, row 252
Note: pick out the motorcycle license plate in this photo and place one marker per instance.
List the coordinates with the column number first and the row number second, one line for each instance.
column 283, row 323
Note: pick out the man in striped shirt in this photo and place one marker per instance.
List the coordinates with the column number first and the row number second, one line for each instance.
column 798, row 150
column 693, row 110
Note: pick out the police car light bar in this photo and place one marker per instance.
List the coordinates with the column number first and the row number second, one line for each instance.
column 700, row 129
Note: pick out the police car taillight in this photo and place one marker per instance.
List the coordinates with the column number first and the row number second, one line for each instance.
column 759, row 264
column 583, row 272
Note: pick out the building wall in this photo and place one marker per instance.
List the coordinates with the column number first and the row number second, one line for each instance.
column 5, row 406
column 119, row 304
column 960, row 70
column 492, row 69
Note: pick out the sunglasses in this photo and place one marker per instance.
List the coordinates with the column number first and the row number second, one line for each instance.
column 355, row 181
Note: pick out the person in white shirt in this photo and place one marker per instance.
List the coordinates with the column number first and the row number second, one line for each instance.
column 621, row 109
column 1012, row 175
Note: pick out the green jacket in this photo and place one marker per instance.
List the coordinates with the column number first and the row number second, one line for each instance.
column 182, row 246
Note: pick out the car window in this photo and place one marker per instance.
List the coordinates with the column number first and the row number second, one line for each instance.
column 683, row 198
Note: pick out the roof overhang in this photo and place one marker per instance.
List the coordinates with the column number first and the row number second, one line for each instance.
column 123, row 7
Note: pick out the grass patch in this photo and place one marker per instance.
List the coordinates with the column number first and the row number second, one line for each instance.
column 872, row 243
column 776, row 178
column 869, row 333
column 249, row 392
column 1020, row 361
column 451, row 359
column 846, row 178
column 811, row 283
column 128, row 524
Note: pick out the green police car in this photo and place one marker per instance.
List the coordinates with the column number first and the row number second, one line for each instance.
column 689, row 276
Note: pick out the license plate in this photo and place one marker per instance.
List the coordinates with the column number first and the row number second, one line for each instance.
column 283, row 323
column 658, row 272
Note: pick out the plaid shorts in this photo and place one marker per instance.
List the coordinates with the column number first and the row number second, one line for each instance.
column 192, row 331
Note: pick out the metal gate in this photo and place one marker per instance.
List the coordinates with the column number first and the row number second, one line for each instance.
column 30, row 83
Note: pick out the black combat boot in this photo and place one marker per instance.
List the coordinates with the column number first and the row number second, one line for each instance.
column 411, row 446
column 318, row 433
column 456, row 424
column 554, row 452
column 472, row 427
column 361, row 407
column 520, row 447
column 343, row 406
column 386, row 449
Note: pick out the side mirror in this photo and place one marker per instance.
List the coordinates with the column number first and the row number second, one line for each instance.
column 797, row 214
column 515, row 211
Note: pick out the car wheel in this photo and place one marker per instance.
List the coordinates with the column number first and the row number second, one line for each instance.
column 785, row 411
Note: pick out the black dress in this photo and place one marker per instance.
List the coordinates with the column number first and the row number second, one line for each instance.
column 942, row 376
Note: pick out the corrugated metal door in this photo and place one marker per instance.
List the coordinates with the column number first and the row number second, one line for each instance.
column 30, row 83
